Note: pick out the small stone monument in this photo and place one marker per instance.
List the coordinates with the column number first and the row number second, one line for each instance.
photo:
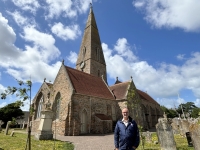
column 44, row 132
column 1, row 123
column 195, row 135
column 148, row 136
column 7, row 127
column 165, row 134
column 23, row 125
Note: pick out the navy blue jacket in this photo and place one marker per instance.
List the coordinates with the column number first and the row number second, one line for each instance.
column 126, row 137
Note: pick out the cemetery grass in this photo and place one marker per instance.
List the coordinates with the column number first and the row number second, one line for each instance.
column 181, row 143
column 18, row 142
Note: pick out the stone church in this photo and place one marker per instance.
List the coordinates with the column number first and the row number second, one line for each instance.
column 81, row 100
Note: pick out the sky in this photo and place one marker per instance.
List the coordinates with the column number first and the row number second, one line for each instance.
column 157, row 42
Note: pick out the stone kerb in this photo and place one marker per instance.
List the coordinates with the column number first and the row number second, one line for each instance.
column 165, row 134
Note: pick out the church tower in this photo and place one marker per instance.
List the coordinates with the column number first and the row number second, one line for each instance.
column 91, row 59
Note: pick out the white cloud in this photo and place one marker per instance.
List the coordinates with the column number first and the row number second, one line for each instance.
column 180, row 56
column 165, row 81
column 60, row 7
column 197, row 102
column 27, row 5
column 123, row 48
column 72, row 57
column 66, row 32
column 171, row 13
column 21, row 20
column 35, row 60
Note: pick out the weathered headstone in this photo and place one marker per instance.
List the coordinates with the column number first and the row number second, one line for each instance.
column 184, row 126
column 165, row 134
column 23, row 125
column 195, row 135
column 189, row 139
column 148, row 136
column 1, row 123
column 7, row 127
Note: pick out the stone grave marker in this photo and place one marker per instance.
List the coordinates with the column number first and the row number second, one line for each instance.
column 1, row 123
column 165, row 134
column 148, row 136
column 7, row 127
column 23, row 125
column 195, row 135
column 184, row 127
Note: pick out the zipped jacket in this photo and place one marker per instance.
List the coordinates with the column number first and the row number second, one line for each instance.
column 126, row 137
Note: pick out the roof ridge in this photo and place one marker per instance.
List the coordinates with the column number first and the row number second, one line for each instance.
column 82, row 72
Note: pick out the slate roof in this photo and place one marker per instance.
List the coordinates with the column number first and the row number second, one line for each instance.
column 120, row 90
column 145, row 96
column 88, row 84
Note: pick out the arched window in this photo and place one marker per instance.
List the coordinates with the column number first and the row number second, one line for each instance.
column 57, row 105
column 98, row 54
column 39, row 108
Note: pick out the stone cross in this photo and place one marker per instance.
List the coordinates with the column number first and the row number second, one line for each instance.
column 165, row 134
column 1, row 123
column 7, row 127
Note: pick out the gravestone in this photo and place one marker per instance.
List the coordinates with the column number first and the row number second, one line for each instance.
column 1, row 123
column 184, row 127
column 195, row 135
column 189, row 139
column 148, row 136
column 165, row 134
column 7, row 127
column 23, row 125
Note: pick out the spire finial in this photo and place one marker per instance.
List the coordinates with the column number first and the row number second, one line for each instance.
column 63, row 61
column 91, row 5
column 44, row 79
column 116, row 78
column 131, row 78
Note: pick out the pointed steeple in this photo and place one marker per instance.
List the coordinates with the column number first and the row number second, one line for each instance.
column 91, row 59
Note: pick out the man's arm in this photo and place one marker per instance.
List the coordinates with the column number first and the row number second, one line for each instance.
column 116, row 136
column 136, row 141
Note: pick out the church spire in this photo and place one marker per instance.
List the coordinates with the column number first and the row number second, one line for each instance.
column 91, row 59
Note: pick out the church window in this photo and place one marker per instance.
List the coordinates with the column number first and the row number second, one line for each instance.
column 98, row 54
column 39, row 108
column 57, row 105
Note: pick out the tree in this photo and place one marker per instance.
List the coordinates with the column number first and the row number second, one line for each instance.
column 195, row 113
column 10, row 111
column 186, row 108
column 23, row 94
column 171, row 113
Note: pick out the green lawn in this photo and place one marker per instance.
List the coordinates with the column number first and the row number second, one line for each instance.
column 181, row 143
column 18, row 142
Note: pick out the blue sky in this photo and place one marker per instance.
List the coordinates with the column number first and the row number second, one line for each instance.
column 155, row 42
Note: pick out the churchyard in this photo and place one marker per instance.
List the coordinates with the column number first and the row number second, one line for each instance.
column 171, row 134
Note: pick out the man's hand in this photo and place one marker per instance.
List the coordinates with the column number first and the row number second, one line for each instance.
column 116, row 148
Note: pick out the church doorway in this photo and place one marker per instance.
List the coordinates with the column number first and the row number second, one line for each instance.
column 84, row 121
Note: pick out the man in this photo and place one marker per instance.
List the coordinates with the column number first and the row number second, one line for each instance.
column 126, row 133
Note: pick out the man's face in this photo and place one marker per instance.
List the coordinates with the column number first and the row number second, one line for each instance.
column 125, row 113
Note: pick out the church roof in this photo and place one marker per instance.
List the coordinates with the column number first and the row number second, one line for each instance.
column 145, row 96
column 120, row 89
column 88, row 84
